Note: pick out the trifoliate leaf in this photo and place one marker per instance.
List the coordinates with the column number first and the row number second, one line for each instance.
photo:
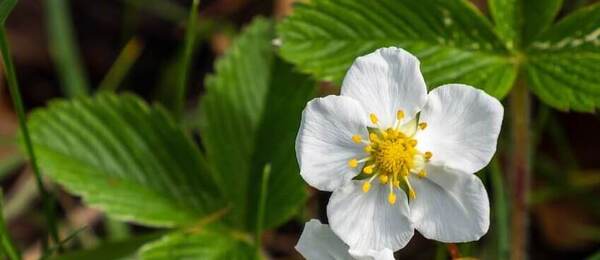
column 453, row 40
column 250, row 116
column 562, row 63
column 126, row 158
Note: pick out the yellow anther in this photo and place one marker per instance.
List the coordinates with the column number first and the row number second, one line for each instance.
column 422, row 174
column 373, row 137
column 413, row 142
column 383, row 179
column 411, row 193
column 366, row 186
column 397, row 183
column 357, row 139
column 422, row 125
column 400, row 114
column 368, row 149
column 374, row 118
column 428, row 155
column 369, row 169
column 392, row 198
column 353, row 163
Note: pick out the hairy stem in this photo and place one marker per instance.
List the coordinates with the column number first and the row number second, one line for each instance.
column 520, row 171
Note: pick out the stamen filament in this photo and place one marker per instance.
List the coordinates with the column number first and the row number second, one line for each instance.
column 411, row 191
column 392, row 195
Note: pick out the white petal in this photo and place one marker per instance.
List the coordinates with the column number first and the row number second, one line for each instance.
column 450, row 206
column 384, row 254
column 366, row 221
column 318, row 242
column 463, row 124
column 324, row 144
column 386, row 81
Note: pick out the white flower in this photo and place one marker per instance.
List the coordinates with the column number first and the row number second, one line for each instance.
column 384, row 138
column 318, row 242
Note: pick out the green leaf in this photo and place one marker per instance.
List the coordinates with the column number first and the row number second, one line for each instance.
column 206, row 244
column 250, row 116
column 112, row 250
column 519, row 21
column 6, row 7
column 126, row 158
column 562, row 64
column 453, row 40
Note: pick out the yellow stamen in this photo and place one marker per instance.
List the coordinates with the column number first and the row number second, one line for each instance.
column 411, row 191
column 428, row 155
column 373, row 137
column 422, row 174
column 374, row 118
column 383, row 179
column 366, row 186
column 392, row 198
column 369, row 169
column 399, row 114
column 397, row 183
column 413, row 142
column 422, row 125
column 357, row 139
column 353, row 163
column 368, row 149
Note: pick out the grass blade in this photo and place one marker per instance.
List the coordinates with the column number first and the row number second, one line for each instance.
column 18, row 104
column 128, row 56
column 7, row 245
column 500, row 211
column 64, row 50
column 186, row 58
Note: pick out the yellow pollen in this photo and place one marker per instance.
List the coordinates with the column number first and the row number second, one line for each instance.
column 413, row 142
column 383, row 179
column 422, row 174
column 392, row 198
column 368, row 148
column 369, row 169
column 353, row 163
column 428, row 155
column 399, row 114
column 397, row 183
column 422, row 125
column 366, row 186
column 357, row 139
column 374, row 118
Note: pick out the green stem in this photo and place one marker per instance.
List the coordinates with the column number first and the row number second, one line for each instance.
column 18, row 103
column 123, row 63
column 520, row 169
column 7, row 244
column 262, row 203
column 500, row 211
column 186, row 58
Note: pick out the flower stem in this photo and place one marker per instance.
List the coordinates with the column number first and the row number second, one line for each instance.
column 18, row 104
column 520, row 172
column 262, row 204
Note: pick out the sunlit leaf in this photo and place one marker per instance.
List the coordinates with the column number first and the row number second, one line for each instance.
column 453, row 40
column 250, row 115
column 126, row 158
column 562, row 63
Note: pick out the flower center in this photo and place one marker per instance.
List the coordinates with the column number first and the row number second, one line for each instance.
column 394, row 152
column 392, row 155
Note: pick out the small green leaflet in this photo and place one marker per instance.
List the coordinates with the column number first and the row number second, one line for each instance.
column 126, row 158
column 250, row 117
column 204, row 244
